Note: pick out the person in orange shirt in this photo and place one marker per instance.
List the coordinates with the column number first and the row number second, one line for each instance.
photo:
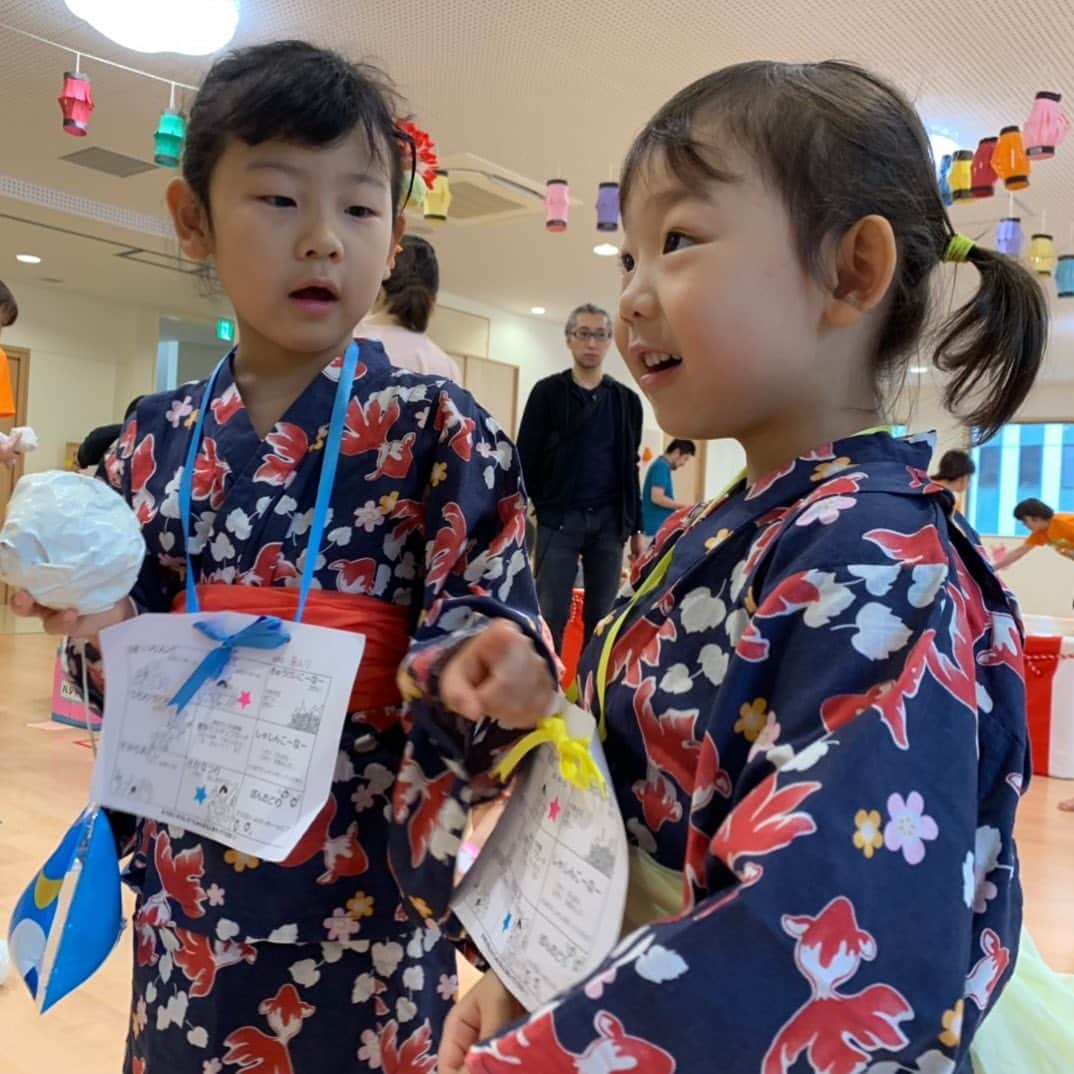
column 9, row 312
column 1047, row 528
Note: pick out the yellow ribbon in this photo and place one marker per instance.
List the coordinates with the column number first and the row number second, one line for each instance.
column 576, row 764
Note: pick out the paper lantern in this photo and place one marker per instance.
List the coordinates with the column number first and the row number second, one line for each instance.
column 983, row 174
column 557, row 204
column 942, row 176
column 1064, row 276
column 1010, row 160
column 168, row 139
column 1046, row 127
column 608, row 207
column 1009, row 236
column 76, row 102
column 1041, row 256
column 960, row 177
column 70, row 917
column 438, row 199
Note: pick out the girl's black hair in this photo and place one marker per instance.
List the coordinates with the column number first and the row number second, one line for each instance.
column 410, row 291
column 955, row 465
column 840, row 144
column 298, row 93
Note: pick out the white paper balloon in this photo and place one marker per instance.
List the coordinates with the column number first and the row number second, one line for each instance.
column 71, row 541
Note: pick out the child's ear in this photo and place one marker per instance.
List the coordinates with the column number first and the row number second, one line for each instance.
column 865, row 265
column 191, row 220
column 397, row 237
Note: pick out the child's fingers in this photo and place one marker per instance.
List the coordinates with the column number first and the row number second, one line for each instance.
column 462, row 1030
column 457, row 690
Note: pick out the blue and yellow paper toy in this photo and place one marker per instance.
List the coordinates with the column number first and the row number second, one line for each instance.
column 70, row 917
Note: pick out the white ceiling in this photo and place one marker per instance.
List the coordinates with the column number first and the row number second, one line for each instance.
column 543, row 88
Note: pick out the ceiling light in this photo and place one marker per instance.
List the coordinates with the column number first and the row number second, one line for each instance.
column 28, row 259
column 538, row 311
column 605, row 249
column 198, row 28
column 917, row 370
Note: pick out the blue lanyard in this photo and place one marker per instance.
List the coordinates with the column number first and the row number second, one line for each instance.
column 324, row 485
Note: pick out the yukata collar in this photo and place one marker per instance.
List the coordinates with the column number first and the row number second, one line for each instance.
column 897, row 465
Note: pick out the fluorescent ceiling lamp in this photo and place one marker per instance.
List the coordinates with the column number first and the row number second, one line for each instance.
column 538, row 311
column 192, row 28
column 605, row 249
column 918, row 370
column 28, row 259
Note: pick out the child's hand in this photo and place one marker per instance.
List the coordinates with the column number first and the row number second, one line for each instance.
column 498, row 673
column 69, row 623
column 483, row 1012
column 9, row 449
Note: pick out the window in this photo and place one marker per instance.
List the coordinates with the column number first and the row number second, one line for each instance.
column 1021, row 461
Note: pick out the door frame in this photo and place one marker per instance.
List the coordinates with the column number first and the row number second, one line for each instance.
column 22, row 398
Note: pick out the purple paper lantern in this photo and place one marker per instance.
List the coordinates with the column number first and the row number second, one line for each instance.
column 608, row 207
column 1009, row 237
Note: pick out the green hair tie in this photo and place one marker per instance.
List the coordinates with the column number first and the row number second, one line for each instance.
column 958, row 248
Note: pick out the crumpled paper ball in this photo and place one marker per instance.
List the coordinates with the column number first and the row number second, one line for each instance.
column 27, row 439
column 71, row 541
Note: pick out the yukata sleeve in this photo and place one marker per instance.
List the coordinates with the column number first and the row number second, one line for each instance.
column 127, row 468
column 476, row 570
column 857, row 908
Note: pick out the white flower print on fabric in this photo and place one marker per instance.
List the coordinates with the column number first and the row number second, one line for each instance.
column 988, row 845
column 368, row 517
column 826, row 511
column 714, row 662
column 833, row 600
column 658, row 965
column 677, row 680
column 238, row 523
column 880, row 632
column 305, row 973
column 701, row 610
column 878, row 578
column 386, row 958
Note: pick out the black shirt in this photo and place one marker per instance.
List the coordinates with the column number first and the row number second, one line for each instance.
column 597, row 483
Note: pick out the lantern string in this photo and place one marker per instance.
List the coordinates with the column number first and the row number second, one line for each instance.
column 171, row 99
column 79, row 56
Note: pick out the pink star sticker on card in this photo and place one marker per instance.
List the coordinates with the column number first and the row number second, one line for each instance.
column 245, row 700
column 554, row 809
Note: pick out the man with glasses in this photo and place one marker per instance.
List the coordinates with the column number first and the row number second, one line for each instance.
column 579, row 442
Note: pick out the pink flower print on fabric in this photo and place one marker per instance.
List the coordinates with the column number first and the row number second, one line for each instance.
column 909, row 827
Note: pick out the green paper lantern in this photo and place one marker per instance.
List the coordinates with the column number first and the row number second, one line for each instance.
column 168, row 140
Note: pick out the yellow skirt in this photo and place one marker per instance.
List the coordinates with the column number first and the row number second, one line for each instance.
column 1031, row 1028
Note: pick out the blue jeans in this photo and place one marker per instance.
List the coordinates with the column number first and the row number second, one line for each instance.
column 588, row 534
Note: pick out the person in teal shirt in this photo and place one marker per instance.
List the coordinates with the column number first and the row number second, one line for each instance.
column 657, row 502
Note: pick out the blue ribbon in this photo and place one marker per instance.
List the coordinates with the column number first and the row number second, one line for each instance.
column 266, row 632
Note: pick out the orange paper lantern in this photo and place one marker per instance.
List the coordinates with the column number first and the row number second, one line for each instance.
column 1010, row 160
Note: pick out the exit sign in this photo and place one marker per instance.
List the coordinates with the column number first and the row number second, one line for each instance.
column 225, row 331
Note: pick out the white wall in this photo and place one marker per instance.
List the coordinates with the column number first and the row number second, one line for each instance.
column 77, row 346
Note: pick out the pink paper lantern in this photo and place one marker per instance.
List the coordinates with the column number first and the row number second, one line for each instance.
column 76, row 103
column 557, row 203
column 1046, row 127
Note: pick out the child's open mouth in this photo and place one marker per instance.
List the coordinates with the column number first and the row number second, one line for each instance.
column 313, row 294
column 657, row 363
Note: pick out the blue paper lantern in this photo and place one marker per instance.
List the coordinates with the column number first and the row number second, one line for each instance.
column 1009, row 237
column 1064, row 276
column 608, row 207
column 68, row 920
column 945, row 186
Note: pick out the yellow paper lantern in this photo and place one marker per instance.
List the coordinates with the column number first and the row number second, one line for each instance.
column 438, row 199
column 960, row 177
column 1042, row 256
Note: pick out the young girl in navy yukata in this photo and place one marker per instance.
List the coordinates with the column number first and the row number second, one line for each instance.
column 813, row 695
column 293, row 181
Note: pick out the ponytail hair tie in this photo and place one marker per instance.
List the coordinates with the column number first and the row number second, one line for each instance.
column 958, row 248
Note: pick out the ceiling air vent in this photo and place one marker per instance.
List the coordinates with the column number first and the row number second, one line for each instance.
column 485, row 193
column 104, row 160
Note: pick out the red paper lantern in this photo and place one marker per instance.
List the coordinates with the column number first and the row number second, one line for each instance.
column 76, row 103
column 984, row 175
column 1010, row 160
